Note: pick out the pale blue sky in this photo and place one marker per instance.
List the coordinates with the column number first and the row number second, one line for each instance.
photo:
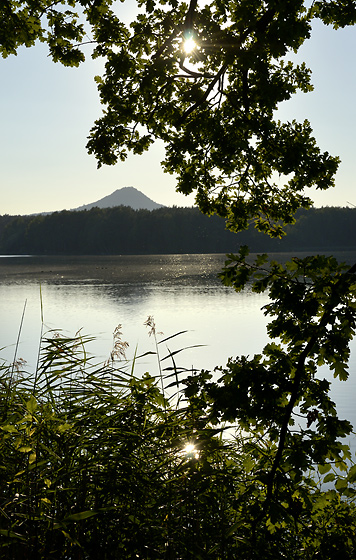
column 46, row 112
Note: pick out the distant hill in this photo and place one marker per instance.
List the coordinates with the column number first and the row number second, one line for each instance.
column 127, row 196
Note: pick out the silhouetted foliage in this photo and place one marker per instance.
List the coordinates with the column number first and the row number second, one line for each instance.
column 213, row 107
column 89, row 459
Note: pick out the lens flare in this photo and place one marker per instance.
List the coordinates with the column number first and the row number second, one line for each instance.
column 190, row 451
column 189, row 45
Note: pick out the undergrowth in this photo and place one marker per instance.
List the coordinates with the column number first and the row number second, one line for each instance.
column 98, row 463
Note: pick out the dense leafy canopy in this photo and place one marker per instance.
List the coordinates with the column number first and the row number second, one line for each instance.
column 214, row 107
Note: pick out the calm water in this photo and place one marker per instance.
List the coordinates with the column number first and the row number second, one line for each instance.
column 96, row 294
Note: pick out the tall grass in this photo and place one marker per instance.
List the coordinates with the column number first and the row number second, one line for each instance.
column 92, row 460
column 96, row 462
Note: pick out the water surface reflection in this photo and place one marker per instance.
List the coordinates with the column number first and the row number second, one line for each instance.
column 96, row 294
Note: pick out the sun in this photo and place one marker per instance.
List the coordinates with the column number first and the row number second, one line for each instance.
column 189, row 45
column 190, row 451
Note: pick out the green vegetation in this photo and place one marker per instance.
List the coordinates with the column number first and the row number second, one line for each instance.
column 123, row 231
column 92, row 462
column 248, row 461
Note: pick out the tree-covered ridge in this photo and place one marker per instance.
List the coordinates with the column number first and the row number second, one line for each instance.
column 122, row 230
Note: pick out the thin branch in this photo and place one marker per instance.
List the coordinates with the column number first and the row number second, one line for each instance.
column 90, row 42
column 167, row 42
column 204, row 97
column 186, row 76
column 194, row 74
column 48, row 8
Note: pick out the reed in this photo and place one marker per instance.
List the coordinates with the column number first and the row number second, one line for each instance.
column 97, row 462
column 93, row 461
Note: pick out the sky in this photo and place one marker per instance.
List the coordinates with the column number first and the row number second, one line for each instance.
column 47, row 110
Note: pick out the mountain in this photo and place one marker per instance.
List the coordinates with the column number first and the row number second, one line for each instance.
column 127, row 196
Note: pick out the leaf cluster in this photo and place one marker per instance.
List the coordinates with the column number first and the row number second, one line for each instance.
column 312, row 306
column 215, row 108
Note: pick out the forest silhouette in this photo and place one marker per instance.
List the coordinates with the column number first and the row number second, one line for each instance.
column 122, row 230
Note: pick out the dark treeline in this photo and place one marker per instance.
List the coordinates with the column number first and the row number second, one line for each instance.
column 122, row 230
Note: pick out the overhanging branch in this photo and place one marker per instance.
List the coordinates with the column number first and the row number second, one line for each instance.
column 204, row 97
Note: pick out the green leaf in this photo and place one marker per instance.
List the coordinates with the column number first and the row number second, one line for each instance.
column 351, row 475
column 341, row 484
column 80, row 516
column 32, row 458
column 329, row 478
column 31, row 405
column 9, row 428
column 324, row 468
column 12, row 534
column 64, row 427
column 340, row 370
column 248, row 464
